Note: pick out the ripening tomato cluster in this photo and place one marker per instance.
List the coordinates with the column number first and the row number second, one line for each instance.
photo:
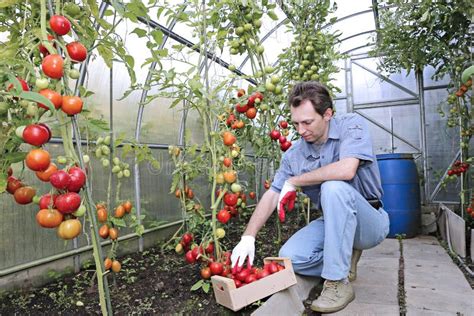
column 248, row 108
column 108, row 229
column 458, row 168
column 470, row 208
column 53, row 63
column 463, row 89
column 244, row 276
column 281, row 136
column 234, row 202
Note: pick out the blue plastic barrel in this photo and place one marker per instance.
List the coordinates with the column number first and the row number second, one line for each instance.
column 401, row 197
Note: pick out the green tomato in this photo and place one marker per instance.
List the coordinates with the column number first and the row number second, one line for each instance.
column 264, row 107
column 74, row 73
column 31, row 110
column 269, row 86
column 107, row 140
column 116, row 169
column 72, row 9
column 19, row 131
column 239, row 31
column 100, row 140
column 61, row 159
column 36, row 199
column 120, row 175
column 235, row 187
column 86, row 158
column 105, row 149
column 269, row 69
column 126, row 173
column 116, row 161
column 260, row 49
column 98, row 152
column 275, row 79
column 257, row 23
column 42, row 83
column 105, row 163
column 4, row 106
column 24, row 103
column 232, row 67
column 80, row 211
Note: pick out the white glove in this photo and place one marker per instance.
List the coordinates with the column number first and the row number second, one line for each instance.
column 286, row 199
column 246, row 247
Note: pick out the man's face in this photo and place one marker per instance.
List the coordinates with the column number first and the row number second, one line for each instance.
column 309, row 124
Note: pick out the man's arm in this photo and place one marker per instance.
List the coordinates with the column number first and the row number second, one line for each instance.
column 344, row 169
column 262, row 212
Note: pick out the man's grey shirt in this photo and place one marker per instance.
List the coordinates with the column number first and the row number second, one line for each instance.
column 348, row 137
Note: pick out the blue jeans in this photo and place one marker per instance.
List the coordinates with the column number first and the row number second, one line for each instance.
column 324, row 247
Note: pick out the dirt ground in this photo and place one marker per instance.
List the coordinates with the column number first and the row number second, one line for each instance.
column 150, row 283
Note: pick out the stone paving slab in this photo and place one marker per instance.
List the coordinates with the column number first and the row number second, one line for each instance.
column 376, row 287
column 433, row 283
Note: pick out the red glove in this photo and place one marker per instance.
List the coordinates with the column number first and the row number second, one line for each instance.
column 286, row 199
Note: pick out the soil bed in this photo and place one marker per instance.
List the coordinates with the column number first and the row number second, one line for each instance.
column 152, row 282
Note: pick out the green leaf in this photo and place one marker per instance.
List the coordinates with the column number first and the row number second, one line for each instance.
column 36, row 97
column 84, row 93
column 106, row 52
column 157, row 36
column 15, row 156
column 140, row 32
column 205, row 287
column 129, row 60
column 8, row 3
column 272, row 15
column 118, row 222
column 98, row 124
column 197, row 285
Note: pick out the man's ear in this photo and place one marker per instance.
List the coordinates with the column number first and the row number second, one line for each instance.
column 328, row 114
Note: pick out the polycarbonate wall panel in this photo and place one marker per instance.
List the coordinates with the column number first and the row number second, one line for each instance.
column 442, row 145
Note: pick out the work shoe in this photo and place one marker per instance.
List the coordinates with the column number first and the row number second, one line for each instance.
column 356, row 253
column 334, row 297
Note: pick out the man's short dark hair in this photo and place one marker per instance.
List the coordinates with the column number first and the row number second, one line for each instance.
column 313, row 91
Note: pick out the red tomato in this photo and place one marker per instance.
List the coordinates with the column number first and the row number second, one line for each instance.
column 49, row 218
column 285, row 146
column 216, row 268
column 251, row 113
column 187, row 238
column 230, row 199
column 274, row 134
column 71, row 105
column 283, row 124
column 240, row 92
column 205, row 273
column 24, row 195
column 45, row 175
column 52, row 66
column 43, row 49
column 210, row 248
column 78, row 179
column 69, row 229
column 251, row 278
column 223, row 216
column 68, row 202
column 45, row 201
column 13, row 184
column 252, row 195
column 23, row 83
column 38, row 159
column 241, row 108
column 60, row 179
column 189, row 257
column 60, row 25
column 227, row 162
column 229, row 138
column 36, row 134
column 76, row 51
column 52, row 96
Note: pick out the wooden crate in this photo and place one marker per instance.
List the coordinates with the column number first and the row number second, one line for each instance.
column 228, row 295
